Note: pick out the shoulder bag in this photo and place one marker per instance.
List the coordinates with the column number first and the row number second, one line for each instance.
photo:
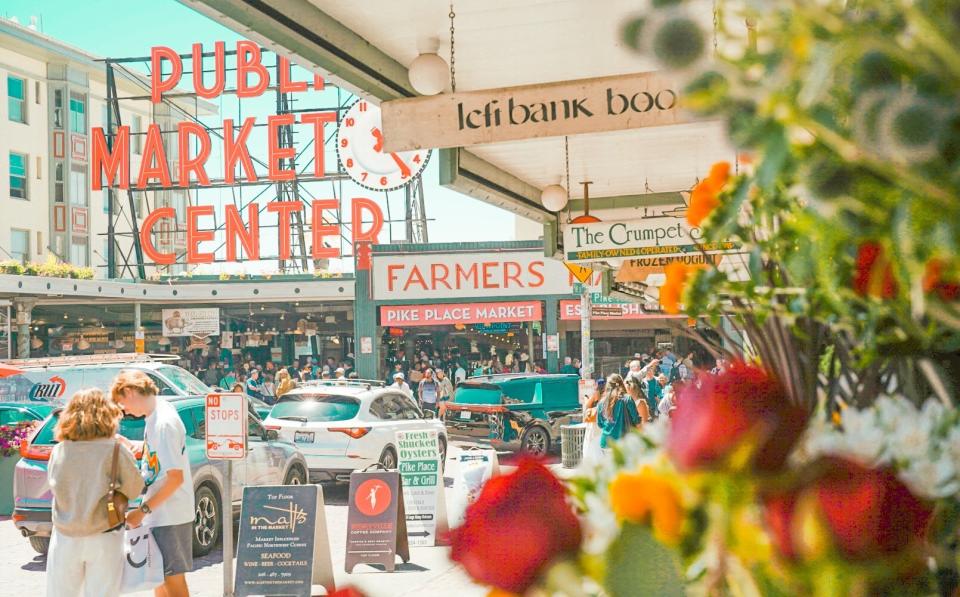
column 116, row 501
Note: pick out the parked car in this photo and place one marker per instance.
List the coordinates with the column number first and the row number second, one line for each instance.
column 342, row 426
column 513, row 411
column 269, row 461
column 57, row 378
column 12, row 413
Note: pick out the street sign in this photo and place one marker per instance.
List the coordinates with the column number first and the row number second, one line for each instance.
column 581, row 272
column 421, row 469
column 376, row 526
column 226, row 422
column 283, row 547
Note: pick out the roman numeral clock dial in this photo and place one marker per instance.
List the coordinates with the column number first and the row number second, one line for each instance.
column 361, row 153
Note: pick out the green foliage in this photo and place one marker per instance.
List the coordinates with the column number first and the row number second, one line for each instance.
column 638, row 565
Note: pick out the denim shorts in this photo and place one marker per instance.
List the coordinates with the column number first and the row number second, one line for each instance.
column 175, row 543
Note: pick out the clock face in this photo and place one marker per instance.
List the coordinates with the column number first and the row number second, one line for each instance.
column 360, row 148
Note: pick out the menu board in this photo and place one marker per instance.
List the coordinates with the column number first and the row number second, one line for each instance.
column 421, row 470
column 376, row 528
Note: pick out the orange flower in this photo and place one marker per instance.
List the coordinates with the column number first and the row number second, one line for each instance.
column 704, row 198
column 933, row 281
column 648, row 498
column 672, row 290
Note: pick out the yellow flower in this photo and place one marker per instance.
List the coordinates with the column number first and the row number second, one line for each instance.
column 648, row 498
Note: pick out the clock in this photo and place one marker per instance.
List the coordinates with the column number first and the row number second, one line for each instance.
column 360, row 149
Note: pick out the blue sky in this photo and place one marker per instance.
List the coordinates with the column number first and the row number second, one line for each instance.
column 121, row 28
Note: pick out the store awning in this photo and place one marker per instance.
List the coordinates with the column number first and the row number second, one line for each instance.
column 367, row 46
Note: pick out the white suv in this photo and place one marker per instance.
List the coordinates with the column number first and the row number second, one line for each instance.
column 345, row 425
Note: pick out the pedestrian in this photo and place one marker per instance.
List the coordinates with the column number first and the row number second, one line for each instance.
column 591, row 436
column 306, row 374
column 688, row 363
column 525, row 365
column 636, row 392
column 269, row 391
column 459, row 374
column 652, row 389
column 617, row 412
column 340, row 373
column 167, row 508
column 284, row 383
column 254, row 387
column 400, row 384
column 668, row 403
column 568, row 366
column 212, row 375
column 228, row 380
column 428, row 392
column 446, row 386
column 237, row 388
column 86, row 553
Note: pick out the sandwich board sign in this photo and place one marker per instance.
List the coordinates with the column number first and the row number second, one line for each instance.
column 476, row 467
column 226, row 426
column 283, row 547
column 376, row 527
column 421, row 468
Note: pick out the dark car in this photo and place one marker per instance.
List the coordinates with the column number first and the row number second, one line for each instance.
column 514, row 412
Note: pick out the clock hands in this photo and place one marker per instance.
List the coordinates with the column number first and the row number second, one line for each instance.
column 378, row 147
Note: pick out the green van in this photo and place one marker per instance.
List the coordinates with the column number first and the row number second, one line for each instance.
column 513, row 411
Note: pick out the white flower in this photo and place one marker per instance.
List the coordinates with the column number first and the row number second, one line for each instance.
column 863, row 439
column 932, row 479
column 951, row 445
column 909, row 440
column 600, row 523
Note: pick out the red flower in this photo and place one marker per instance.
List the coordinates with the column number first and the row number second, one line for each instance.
column 348, row 591
column 743, row 413
column 933, row 281
column 866, row 513
column 520, row 523
column 873, row 275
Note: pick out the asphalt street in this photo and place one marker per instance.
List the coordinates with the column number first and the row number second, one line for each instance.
column 429, row 572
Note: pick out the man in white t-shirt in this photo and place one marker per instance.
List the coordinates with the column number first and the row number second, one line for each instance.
column 399, row 384
column 167, row 508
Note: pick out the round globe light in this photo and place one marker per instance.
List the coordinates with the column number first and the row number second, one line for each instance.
column 554, row 197
column 428, row 74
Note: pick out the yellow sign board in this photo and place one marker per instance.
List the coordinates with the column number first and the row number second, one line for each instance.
column 580, row 272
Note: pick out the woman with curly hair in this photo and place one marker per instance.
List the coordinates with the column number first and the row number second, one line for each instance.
column 617, row 412
column 85, row 553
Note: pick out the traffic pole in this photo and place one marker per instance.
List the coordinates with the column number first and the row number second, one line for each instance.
column 585, row 356
column 227, row 505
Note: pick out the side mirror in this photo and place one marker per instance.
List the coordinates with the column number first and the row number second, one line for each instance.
column 270, row 435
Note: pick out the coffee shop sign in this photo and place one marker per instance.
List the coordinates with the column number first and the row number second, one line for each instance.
column 663, row 236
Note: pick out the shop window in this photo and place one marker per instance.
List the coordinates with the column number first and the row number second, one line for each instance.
column 17, row 99
column 78, row 113
column 58, row 109
column 79, row 254
column 58, row 182
column 136, row 136
column 18, row 175
column 20, row 245
column 78, row 186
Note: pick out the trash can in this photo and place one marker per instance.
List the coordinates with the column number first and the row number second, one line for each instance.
column 571, row 444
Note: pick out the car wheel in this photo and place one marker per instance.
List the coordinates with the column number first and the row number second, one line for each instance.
column 535, row 441
column 40, row 544
column 389, row 459
column 443, row 455
column 295, row 476
column 208, row 522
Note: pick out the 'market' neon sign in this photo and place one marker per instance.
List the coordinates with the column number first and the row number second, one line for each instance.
column 112, row 163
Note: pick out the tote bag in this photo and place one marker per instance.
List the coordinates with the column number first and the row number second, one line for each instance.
column 142, row 562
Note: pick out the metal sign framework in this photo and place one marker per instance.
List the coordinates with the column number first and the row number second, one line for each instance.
column 126, row 259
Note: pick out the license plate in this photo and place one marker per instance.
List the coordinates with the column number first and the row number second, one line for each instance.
column 303, row 437
column 466, row 415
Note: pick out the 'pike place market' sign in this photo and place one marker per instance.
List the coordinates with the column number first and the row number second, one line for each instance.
column 662, row 236
column 546, row 110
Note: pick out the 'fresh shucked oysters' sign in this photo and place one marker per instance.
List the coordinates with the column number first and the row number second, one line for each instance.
column 461, row 119
column 647, row 237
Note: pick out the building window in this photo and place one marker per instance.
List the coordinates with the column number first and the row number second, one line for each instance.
column 78, row 185
column 17, row 99
column 18, row 175
column 78, row 252
column 20, row 245
column 78, row 113
column 58, row 109
column 58, row 183
column 136, row 136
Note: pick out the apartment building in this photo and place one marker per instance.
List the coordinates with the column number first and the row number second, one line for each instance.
column 55, row 93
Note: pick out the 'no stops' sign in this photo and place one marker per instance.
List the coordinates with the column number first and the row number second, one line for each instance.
column 226, row 422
